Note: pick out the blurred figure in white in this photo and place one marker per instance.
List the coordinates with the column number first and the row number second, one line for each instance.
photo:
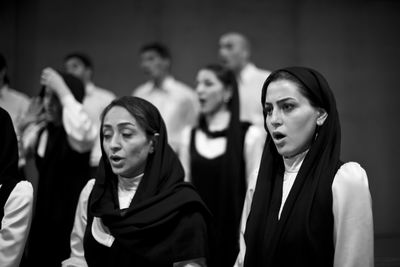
column 176, row 101
column 96, row 99
column 234, row 53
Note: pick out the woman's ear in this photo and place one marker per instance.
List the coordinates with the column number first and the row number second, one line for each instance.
column 228, row 94
column 322, row 115
column 154, row 142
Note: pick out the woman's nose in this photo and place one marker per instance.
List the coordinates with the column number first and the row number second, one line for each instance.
column 276, row 118
column 115, row 142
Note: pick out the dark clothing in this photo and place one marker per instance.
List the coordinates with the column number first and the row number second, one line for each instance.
column 63, row 173
column 8, row 159
column 303, row 236
column 224, row 198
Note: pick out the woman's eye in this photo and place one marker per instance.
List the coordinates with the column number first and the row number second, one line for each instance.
column 268, row 110
column 106, row 136
column 127, row 134
column 287, row 107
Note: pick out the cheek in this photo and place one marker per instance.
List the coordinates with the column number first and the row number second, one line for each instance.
column 303, row 130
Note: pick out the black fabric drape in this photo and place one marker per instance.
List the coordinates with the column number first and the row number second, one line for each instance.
column 304, row 234
column 154, row 227
column 8, row 148
column 8, row 159
column 229, row 188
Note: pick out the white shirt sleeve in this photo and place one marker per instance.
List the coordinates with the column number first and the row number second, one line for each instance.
column 253, row 149
column 184, row 152
column 77, row 257
column 15, row 224
column 245, row 214
column 353, row 222
column 80, row 129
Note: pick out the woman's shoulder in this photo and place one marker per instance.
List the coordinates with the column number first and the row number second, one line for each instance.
column 255, row 133
column 23, row 189
column 351, row 175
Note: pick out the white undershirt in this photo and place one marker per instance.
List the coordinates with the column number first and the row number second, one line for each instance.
column 292, row 167
column 126, row 190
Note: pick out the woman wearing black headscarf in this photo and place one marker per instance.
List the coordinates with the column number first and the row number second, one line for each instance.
column 219, row 155
column 16, row 197
column 308, row 208
column 62, row 164
column 138, row 211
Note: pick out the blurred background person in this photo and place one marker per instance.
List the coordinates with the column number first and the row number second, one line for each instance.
column 234, row 53
column 218, row 156
column 176, row 101
column 16, row 198
column 60, row 140
column 96, row 99
column 16, row 104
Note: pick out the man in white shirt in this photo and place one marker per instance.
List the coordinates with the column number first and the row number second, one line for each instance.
column 176, row 101
column 234, row 52
column 96, row 99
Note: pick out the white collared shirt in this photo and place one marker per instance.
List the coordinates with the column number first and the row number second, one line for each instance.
column 351, row 207
column 177, row 103
column 15, row 224
column 250, row 82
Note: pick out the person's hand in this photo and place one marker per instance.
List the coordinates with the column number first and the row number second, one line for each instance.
column 53, row 80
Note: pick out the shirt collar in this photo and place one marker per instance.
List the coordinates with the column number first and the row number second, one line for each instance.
column 293, row 164
column 128, row 184
column 3, row 90
column 247, row 72
column 165, row 84
column 89, row 88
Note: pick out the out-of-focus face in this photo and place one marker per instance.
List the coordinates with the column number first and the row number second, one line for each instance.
column 75, row 66
column 290, row 118
column 125, row 143
column 52, row 106
column 153, row 64
column 212, row 93
column 233, row 52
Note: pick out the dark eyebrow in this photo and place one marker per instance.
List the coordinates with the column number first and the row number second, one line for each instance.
column 122, row 124
column 282, row 100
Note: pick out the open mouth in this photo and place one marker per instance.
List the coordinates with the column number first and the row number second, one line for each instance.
column 278, row 136
column 115, row 159
column 202, row 101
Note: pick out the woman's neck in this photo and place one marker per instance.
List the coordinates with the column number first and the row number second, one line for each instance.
column 218, row 121
column 129, row 183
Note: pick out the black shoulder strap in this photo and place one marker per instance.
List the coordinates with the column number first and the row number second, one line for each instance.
column 5, row 192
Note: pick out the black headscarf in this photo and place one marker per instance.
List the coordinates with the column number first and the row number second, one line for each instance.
column 266, row 236
column 8, row 149
column 151, row 225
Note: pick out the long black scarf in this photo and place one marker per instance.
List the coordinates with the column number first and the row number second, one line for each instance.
column 8, row 159
column 8, row 149
column 265, row 235
column 154, row 222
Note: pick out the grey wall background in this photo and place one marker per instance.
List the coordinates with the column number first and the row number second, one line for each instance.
column 355, row 44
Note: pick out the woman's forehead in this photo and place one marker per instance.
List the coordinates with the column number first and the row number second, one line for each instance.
column 282, row 89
